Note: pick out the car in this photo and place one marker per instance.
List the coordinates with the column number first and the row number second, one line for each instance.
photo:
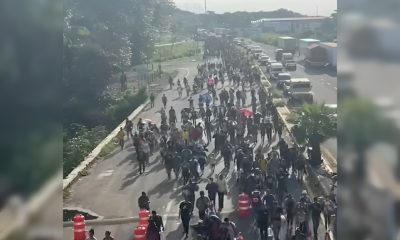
column 274, row 69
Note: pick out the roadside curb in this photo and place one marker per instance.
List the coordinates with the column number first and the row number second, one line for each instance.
column 76, row 173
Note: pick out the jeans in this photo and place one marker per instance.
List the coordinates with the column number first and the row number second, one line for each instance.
column 185, row 224
column 315, row 221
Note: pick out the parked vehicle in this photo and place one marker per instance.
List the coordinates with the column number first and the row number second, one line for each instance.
column 274, row 70
column 316, row 56
column 278, row 54
column 263, row 59
column 288, row 61
column 331, row 49
column 283, row 79
column 288, row 44
column 299, row 90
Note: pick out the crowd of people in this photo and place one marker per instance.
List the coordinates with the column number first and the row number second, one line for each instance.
column 224, row 118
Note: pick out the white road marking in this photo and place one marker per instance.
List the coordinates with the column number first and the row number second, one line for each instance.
column 165, row 216
column 106, row 173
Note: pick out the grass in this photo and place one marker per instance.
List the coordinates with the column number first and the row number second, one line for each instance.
column 108, row 148
column 187, row 49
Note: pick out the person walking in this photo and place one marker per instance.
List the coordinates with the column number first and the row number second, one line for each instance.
column 185, row 215
column 164, row 100
column 329, row 210
column 212, row 189
column 213, row 161
column 316, row 209
column 144, row 201
column 128, row 127
column 263, row 131
column 222, row 191
column 269, row 131
column 91, row 235
column 202, row 204
column 107, row 236
column 120, row 137
column 152, row 98
column 158, row 220
column 279, row 129
column 142, row 161
column 263, row 223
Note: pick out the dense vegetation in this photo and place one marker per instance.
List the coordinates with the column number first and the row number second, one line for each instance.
column 102, row 38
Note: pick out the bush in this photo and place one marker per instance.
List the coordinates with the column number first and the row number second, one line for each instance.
column 124, row 106
column 267, row 38
column 80, row 144
column 79, row 141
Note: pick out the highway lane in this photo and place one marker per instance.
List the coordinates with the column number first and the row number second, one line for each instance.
column 113, row 185
column 324, row 86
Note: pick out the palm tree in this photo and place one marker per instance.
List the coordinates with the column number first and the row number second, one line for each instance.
column 315, row 124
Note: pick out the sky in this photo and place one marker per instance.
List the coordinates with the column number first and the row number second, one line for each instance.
column 307, row 7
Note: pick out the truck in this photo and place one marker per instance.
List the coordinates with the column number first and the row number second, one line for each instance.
column 331, row 49
column 288, row 62
column 287, row 44
column 299, row 90
column 304, row 43
column 274, row 69
column 316, row 56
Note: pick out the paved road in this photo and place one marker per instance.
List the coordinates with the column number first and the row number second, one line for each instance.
column 324, row 84
column 113, row 186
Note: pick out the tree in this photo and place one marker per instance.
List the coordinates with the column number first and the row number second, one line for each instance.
column 316, row 123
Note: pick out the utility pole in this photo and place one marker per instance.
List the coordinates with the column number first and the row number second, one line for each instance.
column 205, row 6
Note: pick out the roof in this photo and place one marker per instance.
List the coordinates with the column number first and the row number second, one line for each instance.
column 329, row 44
column 286, row 38
column 309, row 40
column 288, row 19
column 314, row 45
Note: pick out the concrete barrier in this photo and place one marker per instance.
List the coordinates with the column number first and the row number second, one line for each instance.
column 75, row 174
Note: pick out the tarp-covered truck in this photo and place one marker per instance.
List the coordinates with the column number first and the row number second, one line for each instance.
column 316, row 56
column 287, row 44
column 331, row 50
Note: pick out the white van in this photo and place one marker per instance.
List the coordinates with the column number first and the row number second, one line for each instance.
column 299, row 89
column 274, row 69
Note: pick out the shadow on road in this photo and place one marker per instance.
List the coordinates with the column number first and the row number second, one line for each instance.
column 130, row 181
column 161, row 189
column 130, row 158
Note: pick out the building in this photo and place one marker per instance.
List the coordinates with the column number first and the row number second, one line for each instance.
column 289, row 25
column 304, row 43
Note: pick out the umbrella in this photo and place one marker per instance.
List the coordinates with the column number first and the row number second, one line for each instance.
column 207, row 97
column 246, row 112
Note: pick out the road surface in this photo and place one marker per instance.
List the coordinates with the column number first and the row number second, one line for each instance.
column 113, row 185
column 324, row 86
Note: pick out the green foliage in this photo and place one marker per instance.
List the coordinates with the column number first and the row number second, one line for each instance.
column 316, row 122
column 187, row 49
column 79, row 144
column 267, row 38
column 121, row 107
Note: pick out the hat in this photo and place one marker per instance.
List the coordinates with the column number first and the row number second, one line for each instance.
column 304, row 192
